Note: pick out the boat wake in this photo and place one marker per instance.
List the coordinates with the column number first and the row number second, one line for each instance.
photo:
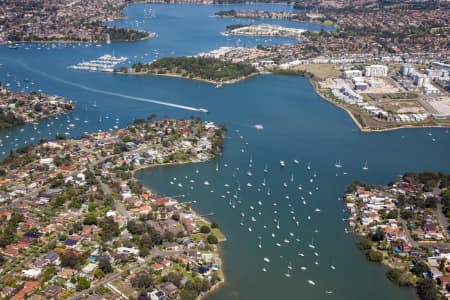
column 104, row 92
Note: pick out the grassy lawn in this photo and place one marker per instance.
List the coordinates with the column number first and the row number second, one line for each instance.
column 320, row 71
column 216, row 231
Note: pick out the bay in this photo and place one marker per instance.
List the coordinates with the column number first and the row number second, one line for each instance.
column 297, row 123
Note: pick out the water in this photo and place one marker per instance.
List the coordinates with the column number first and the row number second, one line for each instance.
column 297, row 125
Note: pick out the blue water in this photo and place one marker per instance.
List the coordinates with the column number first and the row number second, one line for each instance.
column 297, row 125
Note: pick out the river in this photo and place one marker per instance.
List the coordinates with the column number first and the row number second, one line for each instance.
column 298, row 125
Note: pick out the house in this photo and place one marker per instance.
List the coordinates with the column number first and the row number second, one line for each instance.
column 27, row 289
column 158, row 295
column 32, row 273
column 53, row 291
column 444, row 282
column 6, row 292
column 66, row 273
column 169, row 289
column 157, row 267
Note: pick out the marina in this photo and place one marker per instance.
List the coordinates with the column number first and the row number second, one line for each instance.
column 104, row 63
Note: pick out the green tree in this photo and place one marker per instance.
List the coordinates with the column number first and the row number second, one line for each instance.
column 420, row 268
column 375, row 256
column 205, row 229
column 83, row 283
column 427, row 290
column 212, row 239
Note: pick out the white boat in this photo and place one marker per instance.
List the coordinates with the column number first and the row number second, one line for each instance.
column 266, row 170
column 264, row 182
column 282, row 163
column 266, row 260
column 338, row 164
column 296, row 162
column 311, row 282
column 365, row 167
column 206, row 182
column 333, row 267
column 308, row 167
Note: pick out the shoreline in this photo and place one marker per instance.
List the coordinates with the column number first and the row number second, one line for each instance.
column 313, row 84
column 216, row 287
column 231, row 81
column 150, row 36
column 361, row 128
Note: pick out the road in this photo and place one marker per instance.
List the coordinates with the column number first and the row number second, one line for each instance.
column 411, row 241
column 443, row 221
column 106, row 281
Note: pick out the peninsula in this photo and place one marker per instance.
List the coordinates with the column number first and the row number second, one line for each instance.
column 64, row 21
column 405, row 226
column 264, row 30
column 75, row 222
column 199, row 68
column 20, row 108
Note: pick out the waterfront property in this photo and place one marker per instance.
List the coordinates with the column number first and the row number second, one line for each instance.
column 83, row 220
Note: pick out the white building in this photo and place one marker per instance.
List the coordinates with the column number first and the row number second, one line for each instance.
column 351, row 74
column 375, row 71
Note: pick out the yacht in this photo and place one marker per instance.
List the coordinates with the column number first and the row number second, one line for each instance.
column 365, row 167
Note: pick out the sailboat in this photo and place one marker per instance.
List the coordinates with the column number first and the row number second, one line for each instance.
column 264, row 182
column 266, row 170
column 217, row 167
column 288, row 274
column 365, row 167
column 309, row 166
column 268, row 192
column 94, row 104
column 292, row 177
column 260, row 245
column 278, row 224
column 338, row 164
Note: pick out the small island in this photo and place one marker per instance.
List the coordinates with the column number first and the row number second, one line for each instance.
column 20, row 108
column 405, row 225
column 206, row 69
column 76, row 224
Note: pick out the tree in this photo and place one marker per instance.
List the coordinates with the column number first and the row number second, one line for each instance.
column 188, row 294
column 379, row 235
column 364, row 244
column 105, row 266
column 214, row 225
column 71, row 259
column 393, row 214
column 143, row 281
column 83, row 283
column 427, row 290
column 212, row 239
column 398, row 276
column 205, row 229
column 374, row 256
column 420, row 268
